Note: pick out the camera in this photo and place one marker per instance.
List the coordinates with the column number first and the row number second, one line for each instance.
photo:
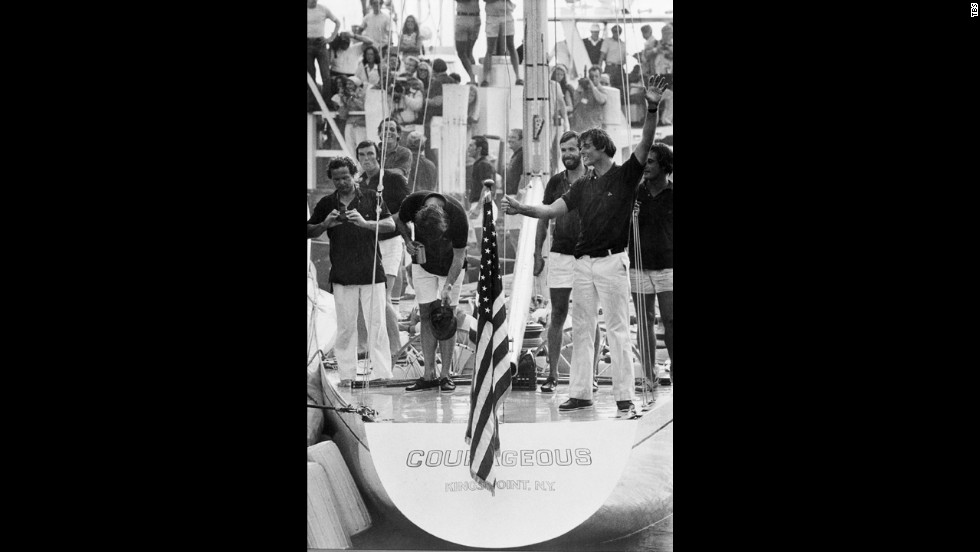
column 584, row 82
column 399, row 88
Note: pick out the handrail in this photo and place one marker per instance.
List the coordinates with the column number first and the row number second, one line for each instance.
column 329, row 116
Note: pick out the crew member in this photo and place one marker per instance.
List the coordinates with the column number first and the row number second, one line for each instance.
column 604, row 198
column 349, row 218
column 441, row 228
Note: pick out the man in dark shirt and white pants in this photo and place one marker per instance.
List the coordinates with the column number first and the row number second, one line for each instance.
column 653, row 279
column 348, row 216
column 604, row 198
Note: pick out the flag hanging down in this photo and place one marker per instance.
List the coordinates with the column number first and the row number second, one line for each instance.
column 491, row 372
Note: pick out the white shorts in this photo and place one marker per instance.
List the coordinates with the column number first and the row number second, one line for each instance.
column 651, row 281
column 561, row 270
column 428, row 287
column 391, row 254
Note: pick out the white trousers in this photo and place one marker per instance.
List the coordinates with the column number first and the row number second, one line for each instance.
column 347, row 299
column 605, row 281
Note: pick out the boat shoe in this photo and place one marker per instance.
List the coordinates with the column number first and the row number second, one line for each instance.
column 626, row 408
column 574, row 404
column 422, row 384
column 447, row 385
column 549, row 385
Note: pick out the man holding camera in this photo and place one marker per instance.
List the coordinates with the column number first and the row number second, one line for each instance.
column 589, row 101
column 348, row 217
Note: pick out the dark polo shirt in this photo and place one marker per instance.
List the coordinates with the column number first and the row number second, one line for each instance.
column 476, row 174
column 396, row 188
column 568, row 226
column 605, row 205
column 656, row 229
column 353, row 253
column 438, row 253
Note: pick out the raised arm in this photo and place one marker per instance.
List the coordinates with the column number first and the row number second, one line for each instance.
column 336, row 25
column 655, row 91
column 598, row 94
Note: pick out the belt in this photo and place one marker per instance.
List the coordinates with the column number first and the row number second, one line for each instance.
column 458, row 13
column 604, row 253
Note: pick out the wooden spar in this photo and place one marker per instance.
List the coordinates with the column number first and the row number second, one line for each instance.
column 537, row 107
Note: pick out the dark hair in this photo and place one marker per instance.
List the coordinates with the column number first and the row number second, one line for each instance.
column 568, row 135
column 600, row 140
column 665, row 157
column 439, row 66
column 519, row 131
column 377, row 55
column 381, row 125
column 340, row 163
column 365, row 144
column 456, row 77
column 431, row 221
column 340, row 43
column 646, row 28
column 594, row 68
column 482, row 145
column 405, row 24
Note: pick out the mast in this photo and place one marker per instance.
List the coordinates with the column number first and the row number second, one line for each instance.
column 537, row 108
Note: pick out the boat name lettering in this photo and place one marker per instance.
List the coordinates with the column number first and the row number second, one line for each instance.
column 524, row 457
column 506, row 484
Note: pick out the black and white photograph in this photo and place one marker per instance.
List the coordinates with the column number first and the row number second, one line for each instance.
column 490, row 275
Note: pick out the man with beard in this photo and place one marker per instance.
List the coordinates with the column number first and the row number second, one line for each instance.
column 561, row 265
column 604, row 198
column 348, row 216
column 390, row 241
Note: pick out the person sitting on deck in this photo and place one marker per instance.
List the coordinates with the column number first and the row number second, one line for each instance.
column 441, row 229
column 349, row 218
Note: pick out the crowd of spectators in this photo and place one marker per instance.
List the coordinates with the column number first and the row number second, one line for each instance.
column 376, row 54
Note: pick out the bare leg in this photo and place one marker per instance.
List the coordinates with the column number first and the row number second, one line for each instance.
column 491, row 50
column 391, row 318
column 556, row 326
column 428, row 339
column 446, row 347
column 649, row 348
column 464, row 56
column 666, row 299
column 513, row 55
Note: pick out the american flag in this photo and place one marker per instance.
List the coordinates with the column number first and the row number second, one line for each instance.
column 491, row 378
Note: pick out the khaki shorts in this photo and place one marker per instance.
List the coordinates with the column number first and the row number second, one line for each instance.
column 651, row 281
column 467, row 28
column 561, row 270
column 392, row 250
column 428, row 287
column 495, row 22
